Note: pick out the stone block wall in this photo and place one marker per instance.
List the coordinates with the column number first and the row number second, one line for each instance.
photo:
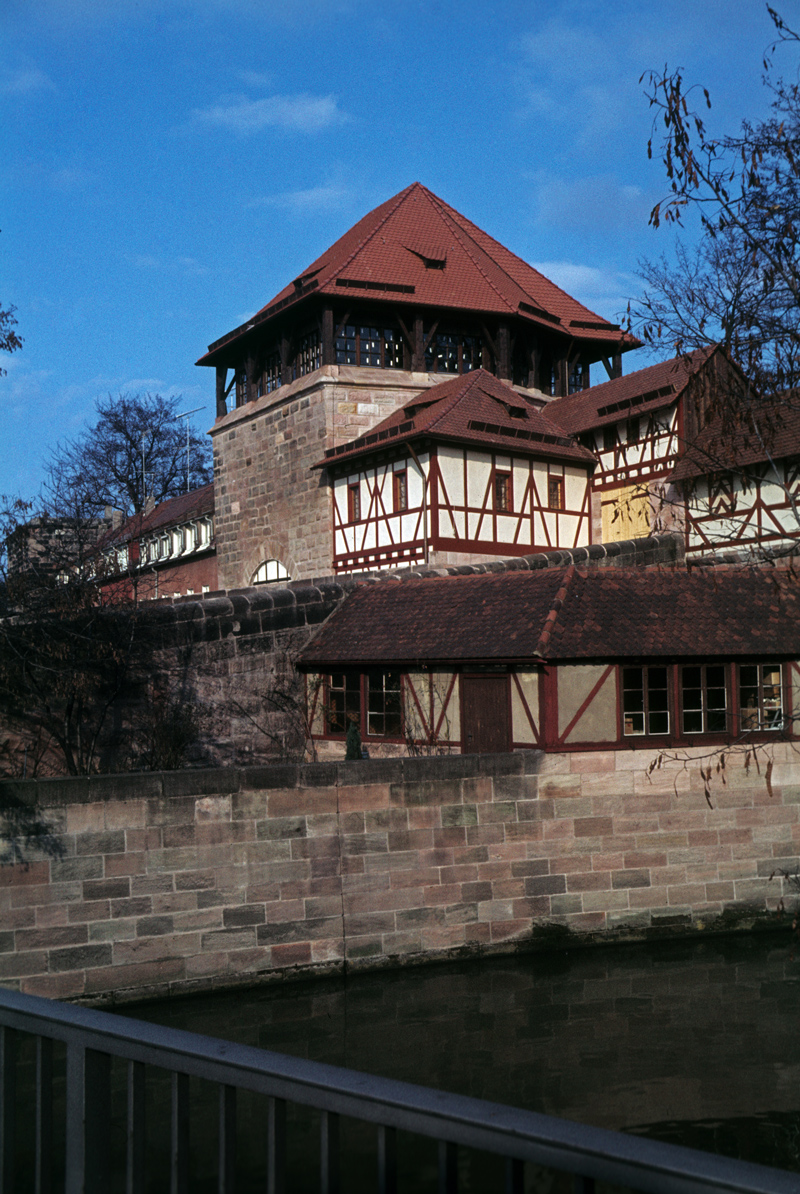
column 190, row 880
column 269, row 502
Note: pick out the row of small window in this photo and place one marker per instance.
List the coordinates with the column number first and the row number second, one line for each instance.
column 178, row 540
column 399, row 496
column 376, row 706
column 502, row 493
column 707, row 699
column 306, row 360
column 634, row 431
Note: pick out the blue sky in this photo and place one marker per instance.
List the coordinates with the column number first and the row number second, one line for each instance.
column 168, row 165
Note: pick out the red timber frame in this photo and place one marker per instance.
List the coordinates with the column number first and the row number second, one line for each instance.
column 533, row 511
column 629, row 467
column 377, row 514
column 418, row 696
column 745, row 518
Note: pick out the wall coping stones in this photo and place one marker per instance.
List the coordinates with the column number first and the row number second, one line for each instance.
column 169, row 785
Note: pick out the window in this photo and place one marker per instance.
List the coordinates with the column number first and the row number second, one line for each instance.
column 354, row 503
column 633, row 431
column 384, row 706
column 760, row 697
column 308, row 358
column 609, row 438
column 577, row 377
column 502, row 491
column 269, row 573
column 555, row 493
column 379, row 347
column 704, row 699
column 645, row 700
column 451, row 352
column 241, row 387
column 343, row 703
column 271, row 376
column 400, row 485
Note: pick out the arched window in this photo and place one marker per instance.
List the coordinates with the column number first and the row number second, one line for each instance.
column 269, row 573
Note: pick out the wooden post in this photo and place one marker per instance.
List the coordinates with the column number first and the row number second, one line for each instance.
column 250, row 376
column 286, row 367
column 418, row 358
column 504, row 352
column 222, row 377
column 328, row 356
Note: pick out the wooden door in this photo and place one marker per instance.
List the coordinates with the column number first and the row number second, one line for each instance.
column 485, row 714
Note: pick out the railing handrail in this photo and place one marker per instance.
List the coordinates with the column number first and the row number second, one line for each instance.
column 599, row 1153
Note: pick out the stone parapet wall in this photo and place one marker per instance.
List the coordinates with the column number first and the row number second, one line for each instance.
column 190, row 880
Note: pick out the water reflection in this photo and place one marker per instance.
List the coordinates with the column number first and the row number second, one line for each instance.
column 695, row 1043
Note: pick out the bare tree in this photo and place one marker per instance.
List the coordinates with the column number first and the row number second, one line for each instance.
column 741, row 284
column 9, row 340
column 135, row 452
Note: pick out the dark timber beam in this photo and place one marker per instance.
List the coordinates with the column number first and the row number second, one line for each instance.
column 328, row 357
column 222, row 377
column 504, row 352
column 418, row 359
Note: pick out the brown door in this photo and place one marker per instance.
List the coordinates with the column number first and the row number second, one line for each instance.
column 485, row 714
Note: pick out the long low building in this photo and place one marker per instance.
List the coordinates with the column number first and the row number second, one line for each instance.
column 562, row 659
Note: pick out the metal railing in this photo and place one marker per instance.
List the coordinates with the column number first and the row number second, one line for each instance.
column 92, row 1038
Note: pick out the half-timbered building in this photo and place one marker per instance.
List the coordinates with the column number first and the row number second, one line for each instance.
column 167, row 551
column 560, row 659
column 739, row 482
column 470, row 468
column 412, row 294
column 639, row 426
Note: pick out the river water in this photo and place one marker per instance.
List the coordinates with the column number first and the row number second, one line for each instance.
column 696, row 1043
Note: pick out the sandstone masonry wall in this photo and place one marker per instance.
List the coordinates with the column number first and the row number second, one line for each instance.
column 190, row 880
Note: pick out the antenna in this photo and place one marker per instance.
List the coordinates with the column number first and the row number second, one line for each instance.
column 185, row 415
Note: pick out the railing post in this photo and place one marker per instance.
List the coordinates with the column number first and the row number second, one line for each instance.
column 329, row 1153
column 448, row 1167
column 88, row 1118
column 8, row 1094
column 227, row 1139
column 179, row 1146
column 387, row 1160
column 515, row 1175
column 43, row 1175
column 276, row 1147
column 135, row 1157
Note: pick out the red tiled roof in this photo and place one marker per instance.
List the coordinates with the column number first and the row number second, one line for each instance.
column 415, row 248
column 563, row 614
column 173, row 512
column 645, row 390
column 473, row 408
column 768, row 429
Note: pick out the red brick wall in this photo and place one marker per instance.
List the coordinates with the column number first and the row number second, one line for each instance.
column 189, row 880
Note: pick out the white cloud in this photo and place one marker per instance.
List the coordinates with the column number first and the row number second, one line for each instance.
column 298, row 113
column 25, row 82
column 604, row 291
column 585, row 204
column 321, row 198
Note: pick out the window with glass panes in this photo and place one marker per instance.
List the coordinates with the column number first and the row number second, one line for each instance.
column 645, row 700
column 451, row 352
column 760, row 696
column 308, row 358
column 241, row 387
column 379, row 347
column 270, row 378
column 400, row 486
column 354, row 503
column 384, row 704
column 576, row 380
column 704, row 699
column 343, row 702
column 502, row 491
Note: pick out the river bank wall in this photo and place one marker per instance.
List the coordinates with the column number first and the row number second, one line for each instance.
column 160, row 883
